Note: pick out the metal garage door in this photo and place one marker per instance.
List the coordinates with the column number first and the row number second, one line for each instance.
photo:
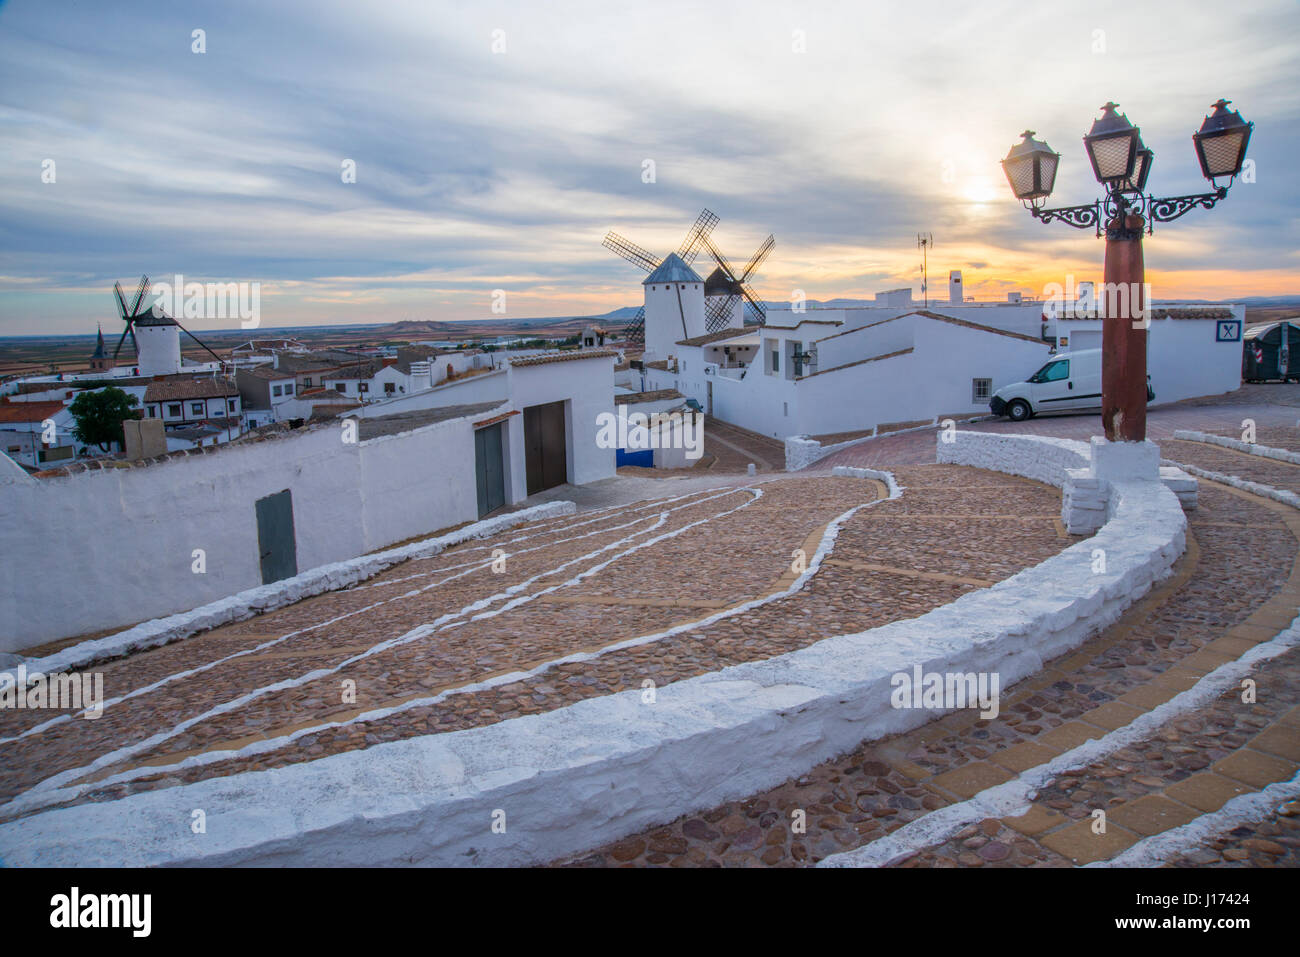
column 545, row 444
column 489, row 472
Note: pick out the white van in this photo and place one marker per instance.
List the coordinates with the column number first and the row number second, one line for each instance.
column 1067, row 381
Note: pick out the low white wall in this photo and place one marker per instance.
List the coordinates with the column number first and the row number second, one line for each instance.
column 579, row 776
column 1266, row 451
column 65, row 545
column 1040, row 458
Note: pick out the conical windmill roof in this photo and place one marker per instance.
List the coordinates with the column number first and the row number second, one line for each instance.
column 672, row 269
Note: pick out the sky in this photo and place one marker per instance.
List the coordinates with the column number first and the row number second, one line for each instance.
column 494, row 144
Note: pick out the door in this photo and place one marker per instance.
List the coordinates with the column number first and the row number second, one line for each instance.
column 489, row 471
column 545, row 446
column 277, row 548
column 1052, row 388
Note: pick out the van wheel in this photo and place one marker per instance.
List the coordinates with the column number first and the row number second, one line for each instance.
column 1018, row 410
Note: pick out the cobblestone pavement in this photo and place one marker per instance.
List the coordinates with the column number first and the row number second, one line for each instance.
column 1237, row 585
column 894, row 560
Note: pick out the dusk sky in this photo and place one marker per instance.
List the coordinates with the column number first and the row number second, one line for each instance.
column 479, row 170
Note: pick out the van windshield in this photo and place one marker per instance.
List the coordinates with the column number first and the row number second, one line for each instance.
column 1053, row 371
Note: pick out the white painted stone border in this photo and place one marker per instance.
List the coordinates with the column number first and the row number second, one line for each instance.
column 1265, row 451
column 603, row 768
column 252, row 601
column 1255, row 488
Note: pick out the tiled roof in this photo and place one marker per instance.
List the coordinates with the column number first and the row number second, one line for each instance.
column 661, row 364
column 18, row 412
column 718, row 336
column 266, row 371
column 171, row 390
column 653, row 396
column 1210, row 313
column 364, row 370
column 563, row 357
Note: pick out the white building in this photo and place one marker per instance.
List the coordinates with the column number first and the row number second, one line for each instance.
column 545, row 432
column 822, row 371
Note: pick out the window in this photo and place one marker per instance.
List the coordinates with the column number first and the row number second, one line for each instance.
column 277, row 390
column 390, row 388
column 1054, row 371
column 363, row 386
column 174, row 410
column 306, row 382
column 340, row 387
column 230, row 405
column 776, row 360
column 981, row 389
column 153, row 412
column 288, row 388
column 196, row 408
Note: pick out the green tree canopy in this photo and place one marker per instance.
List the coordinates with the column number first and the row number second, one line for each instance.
column 99, row 416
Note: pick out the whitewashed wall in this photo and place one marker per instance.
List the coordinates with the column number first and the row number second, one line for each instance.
column 107, row 548
column 1183, row 357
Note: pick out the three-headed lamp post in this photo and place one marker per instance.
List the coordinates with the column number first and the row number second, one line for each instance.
column 1122, row 164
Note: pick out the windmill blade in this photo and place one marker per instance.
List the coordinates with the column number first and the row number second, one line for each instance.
column 199, row 341
column 757, row 259
column 718, row 312
column 630, row 251
column 720, row 259
column 756, row 304
column 635, row 330
column 121, row 300
column 125, row 332
column 134, row 344
column 690, row 247
column 140, row 292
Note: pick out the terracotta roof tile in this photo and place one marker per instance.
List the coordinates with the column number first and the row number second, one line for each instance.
column 549, row 357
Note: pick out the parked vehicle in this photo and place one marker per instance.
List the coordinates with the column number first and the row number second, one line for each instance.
column 1068, row 381
column 1271, row 351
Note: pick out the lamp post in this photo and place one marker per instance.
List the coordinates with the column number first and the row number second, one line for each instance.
column 1122, row 164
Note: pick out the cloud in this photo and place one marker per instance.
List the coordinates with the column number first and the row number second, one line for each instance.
column 478, row 170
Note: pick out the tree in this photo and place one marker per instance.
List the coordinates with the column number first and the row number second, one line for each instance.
column 99, row 416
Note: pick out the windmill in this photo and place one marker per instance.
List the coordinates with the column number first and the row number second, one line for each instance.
column 725, row 286
column 696, row 236
column 147, row 317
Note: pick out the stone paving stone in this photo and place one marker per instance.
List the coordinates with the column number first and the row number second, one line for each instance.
column 1253, row 768
column 1152, row 814
column 1079, row 844
column 1206, row 791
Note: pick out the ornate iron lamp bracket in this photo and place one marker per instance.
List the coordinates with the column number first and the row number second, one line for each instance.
column 1168, row 209
column 1080, row 217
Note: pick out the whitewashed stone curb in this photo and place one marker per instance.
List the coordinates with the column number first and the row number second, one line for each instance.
column 850, row 471
column 1265, row 451
column 1264, row 491
column 603, row 768
column 253, row 601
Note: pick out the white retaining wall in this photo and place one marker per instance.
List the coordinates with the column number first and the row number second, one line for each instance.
column 110, row 547
column 582, row 775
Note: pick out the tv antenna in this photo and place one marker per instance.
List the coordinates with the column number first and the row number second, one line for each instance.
column 925, row 242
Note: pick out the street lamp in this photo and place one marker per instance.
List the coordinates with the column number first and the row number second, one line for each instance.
column 1122, row 164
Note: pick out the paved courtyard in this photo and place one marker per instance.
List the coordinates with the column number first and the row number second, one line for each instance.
column 659, row 580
